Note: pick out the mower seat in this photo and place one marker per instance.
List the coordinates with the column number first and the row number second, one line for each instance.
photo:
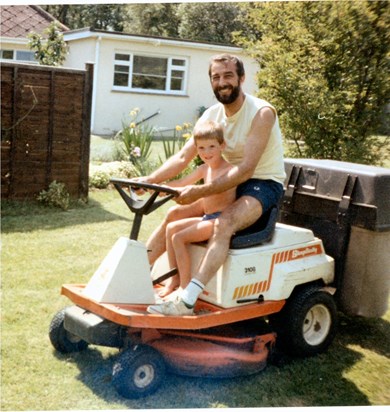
column 260, row 232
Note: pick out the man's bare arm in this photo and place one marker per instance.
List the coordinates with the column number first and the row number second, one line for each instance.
column 174, row 165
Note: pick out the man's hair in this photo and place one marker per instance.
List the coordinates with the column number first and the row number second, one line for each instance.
column 208, row 130
column 225, row 58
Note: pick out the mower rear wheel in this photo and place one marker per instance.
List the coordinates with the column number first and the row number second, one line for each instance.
column 307, row 324
column 138, row 372
column 61, row 339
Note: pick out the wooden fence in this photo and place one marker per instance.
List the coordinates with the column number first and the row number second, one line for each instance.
column 45, row 129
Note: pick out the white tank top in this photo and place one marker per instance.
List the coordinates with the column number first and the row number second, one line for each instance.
column 236, row 130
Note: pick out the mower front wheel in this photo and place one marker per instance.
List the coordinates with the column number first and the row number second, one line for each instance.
column 61, row 339
column 307, row 324
column 138, row 372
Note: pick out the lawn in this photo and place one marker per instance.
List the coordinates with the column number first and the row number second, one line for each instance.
column 44, row 248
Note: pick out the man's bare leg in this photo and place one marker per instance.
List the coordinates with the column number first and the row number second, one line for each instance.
column 241, row 214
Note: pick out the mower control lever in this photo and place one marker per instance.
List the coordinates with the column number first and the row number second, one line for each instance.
column 138, row 206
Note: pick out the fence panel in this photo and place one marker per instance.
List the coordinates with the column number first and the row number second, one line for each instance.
column 45, row 118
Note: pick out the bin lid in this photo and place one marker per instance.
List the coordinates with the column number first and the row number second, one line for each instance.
column 328, row 179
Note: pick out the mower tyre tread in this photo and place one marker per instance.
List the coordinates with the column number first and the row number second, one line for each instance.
column 62, row 340
column 138, row 372
column 289, row 323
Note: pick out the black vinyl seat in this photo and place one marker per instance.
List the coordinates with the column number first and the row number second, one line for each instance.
column 257, row 234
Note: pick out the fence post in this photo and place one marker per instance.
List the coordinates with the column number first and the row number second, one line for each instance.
column 50, row 137
column 86, row 131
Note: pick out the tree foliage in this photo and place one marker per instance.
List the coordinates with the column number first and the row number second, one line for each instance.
column 213, row 22
column 98, row 16
column 50, row 48
column 325, row 66
column 154, row 19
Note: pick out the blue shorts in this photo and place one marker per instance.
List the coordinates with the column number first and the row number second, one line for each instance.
column 267, row 192
column 211, row 216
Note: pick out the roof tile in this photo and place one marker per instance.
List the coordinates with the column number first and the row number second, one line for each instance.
column 18, row 21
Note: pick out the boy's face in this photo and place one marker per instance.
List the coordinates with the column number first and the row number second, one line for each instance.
column 209, row 150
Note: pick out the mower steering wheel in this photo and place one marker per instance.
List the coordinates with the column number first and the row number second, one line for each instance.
column 141, row 206
column 147, row 186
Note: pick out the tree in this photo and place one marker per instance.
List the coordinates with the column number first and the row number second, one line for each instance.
column 153, row 19
column 325, row 66
column 212, row 22
column 50, row 49
column 98, row 16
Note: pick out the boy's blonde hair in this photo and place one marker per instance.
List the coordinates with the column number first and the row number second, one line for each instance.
column 208, row 130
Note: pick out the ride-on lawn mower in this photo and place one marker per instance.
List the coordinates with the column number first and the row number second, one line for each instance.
column 279, row 281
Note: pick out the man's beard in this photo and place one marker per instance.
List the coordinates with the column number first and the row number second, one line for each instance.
column 228, row 99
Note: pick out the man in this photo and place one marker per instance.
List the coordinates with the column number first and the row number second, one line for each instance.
column 254, row 147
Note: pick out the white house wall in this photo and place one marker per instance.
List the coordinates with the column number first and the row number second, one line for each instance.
column 111, row 107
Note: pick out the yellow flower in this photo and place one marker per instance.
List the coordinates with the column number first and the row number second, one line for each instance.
column 178, row 128
column 186, row 135
column 132, row 125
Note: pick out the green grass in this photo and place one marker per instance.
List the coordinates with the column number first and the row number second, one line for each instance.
column 44, row 248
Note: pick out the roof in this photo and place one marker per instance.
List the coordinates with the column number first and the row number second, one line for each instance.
column 18, row 21
column 90, row 32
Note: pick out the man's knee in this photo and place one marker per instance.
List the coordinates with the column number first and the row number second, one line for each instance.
column 223, row 227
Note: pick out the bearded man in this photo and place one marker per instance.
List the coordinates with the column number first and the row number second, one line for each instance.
column 254, row 147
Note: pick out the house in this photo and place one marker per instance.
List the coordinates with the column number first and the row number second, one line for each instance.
column 165, row 78
column 17, row 21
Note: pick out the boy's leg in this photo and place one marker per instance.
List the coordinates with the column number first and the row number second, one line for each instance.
column 156, row 244
column 192, row 233
column 172, row 229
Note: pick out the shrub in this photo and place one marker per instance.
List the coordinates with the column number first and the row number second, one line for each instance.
column 99, row 175
column 172, row 146
column 137, row 139
column 99, row 179
column 56, row 196
column 324, row 65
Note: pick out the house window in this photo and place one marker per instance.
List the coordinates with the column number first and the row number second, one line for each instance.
column 150, row 74
column 18, row 55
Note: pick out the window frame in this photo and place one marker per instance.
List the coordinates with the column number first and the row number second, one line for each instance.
column 169, row 73
column 16, row 56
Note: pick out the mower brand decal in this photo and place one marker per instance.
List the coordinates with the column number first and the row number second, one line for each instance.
column 305, row 251
column 280, row 257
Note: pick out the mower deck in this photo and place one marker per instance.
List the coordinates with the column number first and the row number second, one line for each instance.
column 206, row 315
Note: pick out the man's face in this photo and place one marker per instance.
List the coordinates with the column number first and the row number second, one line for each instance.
column 225, row 82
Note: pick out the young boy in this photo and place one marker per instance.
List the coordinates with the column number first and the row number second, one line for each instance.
column 210, row 143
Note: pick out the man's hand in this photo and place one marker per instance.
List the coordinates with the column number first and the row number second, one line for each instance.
column 142, row 179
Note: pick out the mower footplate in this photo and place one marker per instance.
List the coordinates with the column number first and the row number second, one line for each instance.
column 206, row 315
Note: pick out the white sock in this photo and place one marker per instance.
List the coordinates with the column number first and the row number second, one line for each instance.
column 191, row 293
